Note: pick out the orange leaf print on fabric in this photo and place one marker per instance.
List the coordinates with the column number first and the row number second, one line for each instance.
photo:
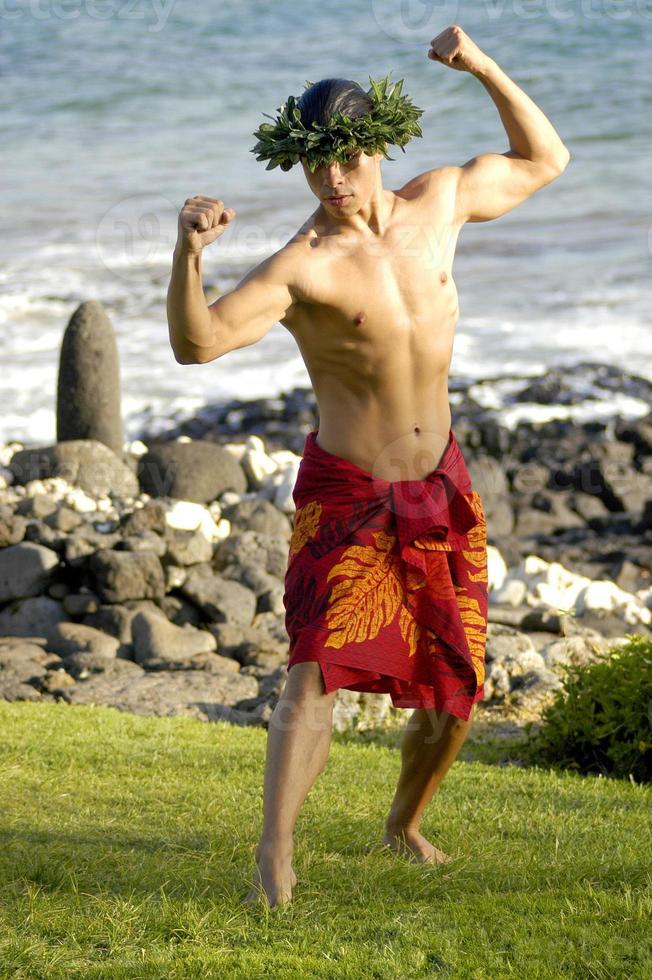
column 475, row 628
column 410, row 630
column 477, row 537
column 429, row 544
column 306, row 525
column 369, row 596
column 440, row 582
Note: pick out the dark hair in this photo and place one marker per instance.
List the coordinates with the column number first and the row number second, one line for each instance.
column 319, row 102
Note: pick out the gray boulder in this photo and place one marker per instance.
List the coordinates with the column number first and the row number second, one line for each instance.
column 156, row 639
column 199, row 471
column 69, row 638
column 85, row 463
column 34, row 617
column 88, row 388
column 218, row 598
column 25, row 570
column 121, row 575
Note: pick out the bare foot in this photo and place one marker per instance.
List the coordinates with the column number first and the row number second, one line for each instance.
column 414, row 845
column 274, row 877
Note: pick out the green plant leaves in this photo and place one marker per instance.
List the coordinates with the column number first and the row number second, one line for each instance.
column 393, row 120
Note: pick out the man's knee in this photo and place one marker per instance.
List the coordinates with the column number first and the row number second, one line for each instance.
column 304, row 697
column 305, row 681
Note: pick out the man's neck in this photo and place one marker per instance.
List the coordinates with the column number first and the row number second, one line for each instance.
column 371, row 220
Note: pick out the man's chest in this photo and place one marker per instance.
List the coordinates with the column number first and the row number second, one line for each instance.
column 362, row 288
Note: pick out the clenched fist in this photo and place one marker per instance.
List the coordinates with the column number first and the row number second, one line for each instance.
column 453, row 47
column 201, row 221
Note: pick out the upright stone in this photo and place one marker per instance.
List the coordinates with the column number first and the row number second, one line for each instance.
column 88, row 390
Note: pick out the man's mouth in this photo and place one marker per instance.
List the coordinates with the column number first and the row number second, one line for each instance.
column 338, row 200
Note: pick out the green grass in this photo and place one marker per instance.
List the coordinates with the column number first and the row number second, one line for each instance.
column 127, row 843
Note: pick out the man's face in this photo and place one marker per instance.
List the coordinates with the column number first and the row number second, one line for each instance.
column 355, row 180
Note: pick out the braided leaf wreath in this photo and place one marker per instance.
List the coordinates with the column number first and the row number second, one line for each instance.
column 393, row 120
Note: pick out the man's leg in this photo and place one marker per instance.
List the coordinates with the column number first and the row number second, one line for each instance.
column 429, row 746
column 298, row 744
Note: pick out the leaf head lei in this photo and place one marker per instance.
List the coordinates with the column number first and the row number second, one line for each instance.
column 391, row 120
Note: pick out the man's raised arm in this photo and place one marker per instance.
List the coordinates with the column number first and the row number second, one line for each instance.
column 199, row 332
column 491, row 184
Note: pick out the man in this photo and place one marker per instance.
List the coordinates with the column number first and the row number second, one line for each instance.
column 365, row 287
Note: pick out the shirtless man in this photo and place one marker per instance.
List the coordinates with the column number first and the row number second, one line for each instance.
column 366, row 289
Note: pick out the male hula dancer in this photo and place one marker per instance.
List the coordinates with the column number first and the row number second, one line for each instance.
column 386, row 585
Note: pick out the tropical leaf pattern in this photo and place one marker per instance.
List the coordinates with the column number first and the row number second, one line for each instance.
column 306, row 523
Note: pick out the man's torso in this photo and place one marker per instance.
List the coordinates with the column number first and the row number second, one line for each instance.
column 375, row 323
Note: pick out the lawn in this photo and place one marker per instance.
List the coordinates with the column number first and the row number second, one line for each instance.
column 127, row 846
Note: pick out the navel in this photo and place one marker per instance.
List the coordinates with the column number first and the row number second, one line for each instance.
column 360, row 317
column 417, row 429
column 442, row 276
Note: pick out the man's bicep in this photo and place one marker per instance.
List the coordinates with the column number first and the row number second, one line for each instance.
column 244, row 314
column 491, row 184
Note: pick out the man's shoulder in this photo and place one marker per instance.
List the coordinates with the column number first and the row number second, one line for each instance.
column 438, row 185
column 287, row 264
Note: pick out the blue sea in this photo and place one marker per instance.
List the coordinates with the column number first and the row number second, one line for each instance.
column 115, row 111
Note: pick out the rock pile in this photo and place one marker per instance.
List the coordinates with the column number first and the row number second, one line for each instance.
column 169, row 599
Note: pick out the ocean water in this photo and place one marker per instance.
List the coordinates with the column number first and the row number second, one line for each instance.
column 115, row 111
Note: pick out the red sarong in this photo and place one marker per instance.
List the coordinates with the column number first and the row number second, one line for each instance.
column 386, row 584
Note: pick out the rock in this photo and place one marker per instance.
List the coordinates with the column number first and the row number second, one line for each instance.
column 31, row 617
column 120, row 575
column 272, row 627
column 25, row 570
column 513, row 592
column 607, row 596
column 116, row 620
column 283, row 498
column 68, row 638
column 39, row 506
column 187, row 547
column 150, row 517
column 578, row 649
column 22, row 664
column 13, row 689
column 255, row 462
column 219, row 598
column 249, row 548
column 179, row 610
column 195, row 693
column 505, row 642
column 198, row 471
column 496, row 568
column 240, row 642
column 156, row 639
column 146, row 541
column 12, row 528
column 84, row 463
column 63, row 519
column 88, row 388
column 186, row 516
column 81, row 604
column 57, row 680
column 489, row 480
column 85, row 663
column 259, row 515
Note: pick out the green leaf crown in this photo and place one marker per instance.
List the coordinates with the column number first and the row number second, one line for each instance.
column 392, row 119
